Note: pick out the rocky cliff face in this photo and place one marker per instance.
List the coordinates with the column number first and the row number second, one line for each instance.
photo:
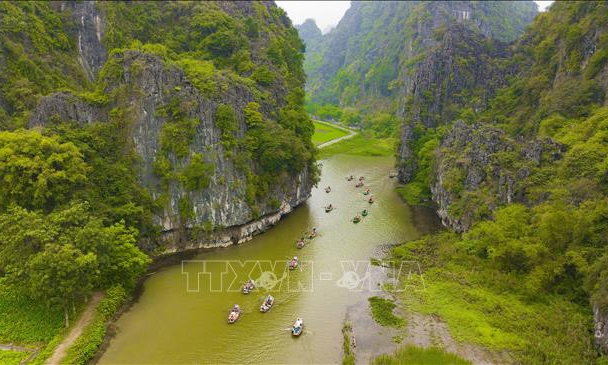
column 462, row 71
column 367, row 59
column 479, row 168
column 152, row 87
column 91, row 51
column 211, row 183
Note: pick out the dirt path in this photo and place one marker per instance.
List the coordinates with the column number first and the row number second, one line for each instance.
column 351, row 134
column 83, row 321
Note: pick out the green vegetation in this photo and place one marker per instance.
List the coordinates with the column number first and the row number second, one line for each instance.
column 85, row 347
column 72, row 206
column 12, row 357
column 420, row 356
column 368, row 72
column 348, row 356
column 382, row 312
column 325, row 133
column 363, row 144
column 523, row 276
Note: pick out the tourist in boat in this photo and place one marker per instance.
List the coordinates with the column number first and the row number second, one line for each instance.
column 328, row 189
column 234, row 315
column 366, row 192
column 249, row 286
column 350, row 178
column 294, row 263
column 265, row 307
column 300, row 243
column 359, row 184
column 361, row 178
column 357, row 219
column 364, row 212
column 329, row 208
column 297, row 328
column 371, row 199
column 313, row 233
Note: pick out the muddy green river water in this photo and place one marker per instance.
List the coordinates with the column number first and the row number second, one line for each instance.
column 181, row 314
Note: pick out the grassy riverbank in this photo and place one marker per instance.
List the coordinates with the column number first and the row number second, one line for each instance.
column 420, row 356
column 325, row 132
column 363, row 144
column 484, row 306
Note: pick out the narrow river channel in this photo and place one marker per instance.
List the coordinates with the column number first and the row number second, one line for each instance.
column 179, row 319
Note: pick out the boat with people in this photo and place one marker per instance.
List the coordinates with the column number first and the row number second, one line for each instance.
column 328, row 189
column 300, row 243
column 357, row 219
column 298, row 327
column 293, row 263
column 359, row 184
column 312, row 233
column 366, row 192
column 364, row 212
column 267, row 304
column 249, row 286
column 370, row 200
column 329, row 208
column 361, row 178
column 350, row 178
column 235, row 313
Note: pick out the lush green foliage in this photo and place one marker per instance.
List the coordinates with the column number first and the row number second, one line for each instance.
column 382, row 312
column 86, row 346
column 348, row 356
column 38, row 56
column 487, row 305
column 64, row 255
column 366, row 59
column 25, row 321
column 38, row 172
column 12, row 357
column 325, row 132
column 363, row 144
column 420, row 356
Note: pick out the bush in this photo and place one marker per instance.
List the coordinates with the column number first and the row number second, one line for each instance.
column 382, row 312
column 86, row 346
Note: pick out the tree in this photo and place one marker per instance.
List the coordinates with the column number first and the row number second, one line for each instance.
column 59, row 273
column 38, row 172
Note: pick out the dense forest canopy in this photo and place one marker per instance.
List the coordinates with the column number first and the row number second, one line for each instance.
column 74, row 208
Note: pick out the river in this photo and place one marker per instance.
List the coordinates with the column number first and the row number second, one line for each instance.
column 181, row 315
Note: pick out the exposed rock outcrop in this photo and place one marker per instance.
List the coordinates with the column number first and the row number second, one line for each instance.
column 151, row 85
column 478, row 168
column 462, row 71
column 600, row 318
column 92, row 53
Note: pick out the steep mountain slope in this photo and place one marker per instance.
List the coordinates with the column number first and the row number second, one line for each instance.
column 370, row 56
column 520, row 167
column 204, row 101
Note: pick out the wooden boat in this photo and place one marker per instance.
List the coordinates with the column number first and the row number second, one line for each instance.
column 359, row 184
column 357, row 219
column 328, row 189
column 249, row 286
column 364, row 212
column 297, row 328
column 329, row 208
column 268, row 302
column 361, row 178
column 300, row 244
column 366, row 192
column 234, row 315
column 293, row 263
column 313, row 233
column 370, row 200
